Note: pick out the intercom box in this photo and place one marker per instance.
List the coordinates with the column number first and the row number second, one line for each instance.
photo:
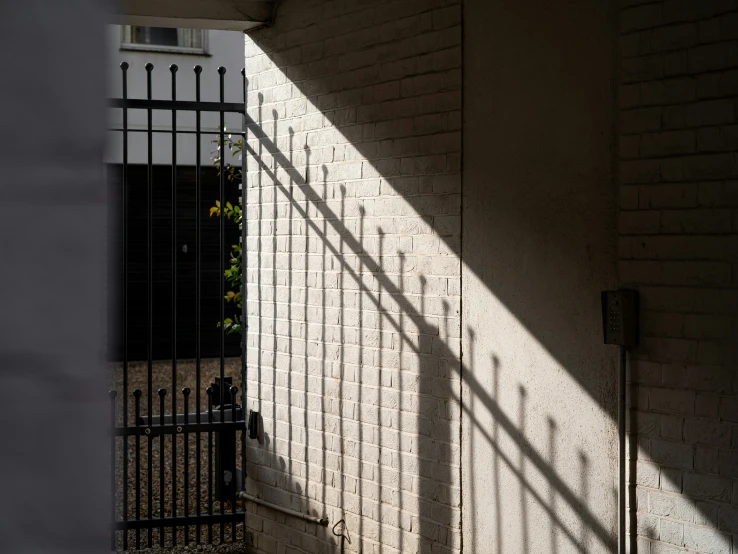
column 620, row 317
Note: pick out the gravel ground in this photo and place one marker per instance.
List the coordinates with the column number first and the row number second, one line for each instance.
column 209, row 548
column 186, row 459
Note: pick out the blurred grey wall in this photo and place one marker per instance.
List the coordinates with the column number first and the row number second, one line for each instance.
column 54, row 477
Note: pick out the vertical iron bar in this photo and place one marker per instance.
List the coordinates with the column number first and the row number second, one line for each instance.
column 150, row 238
column 150, row 485
column 209, row 391
column 162, row 394
column 173, row 68
column 137, row 397
column 113, row 394
column 622, row 492
column 198, row 300
column 221, row 389
column 234, row 398
column 244, row 282
column 124, row 70
column 186, row 394
column 150, row 280
column 221, row 171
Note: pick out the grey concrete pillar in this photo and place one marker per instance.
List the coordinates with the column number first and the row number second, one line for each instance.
column 54, row 478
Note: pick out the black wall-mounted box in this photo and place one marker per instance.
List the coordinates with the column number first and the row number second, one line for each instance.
column 620, row 317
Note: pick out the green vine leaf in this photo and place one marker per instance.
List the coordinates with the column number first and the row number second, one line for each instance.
column 234, row 213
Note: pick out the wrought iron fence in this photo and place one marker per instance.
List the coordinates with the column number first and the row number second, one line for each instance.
column 175, row 473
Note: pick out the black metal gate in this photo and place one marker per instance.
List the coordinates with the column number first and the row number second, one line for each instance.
column 178, row 424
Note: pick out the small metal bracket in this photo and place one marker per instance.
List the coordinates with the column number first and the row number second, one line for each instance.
column 343, row 530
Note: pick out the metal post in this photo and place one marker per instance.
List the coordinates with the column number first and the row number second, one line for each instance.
column 221, row 251
column 209, row 392
column 622, row 493
column 186, row 394
column 124, row 70
column 198, row 299
column 244, row 278
column 150, row 284
column 225, row 445
column 173, row 69
column 137, row 400
column 162, row 394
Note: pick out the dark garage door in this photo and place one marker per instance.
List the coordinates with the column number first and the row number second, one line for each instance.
column 187, row 211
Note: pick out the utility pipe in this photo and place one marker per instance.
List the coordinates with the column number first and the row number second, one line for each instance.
column 307, row 517
column 622, row 492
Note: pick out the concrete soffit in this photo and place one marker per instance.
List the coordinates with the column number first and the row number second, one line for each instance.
column 227, row 15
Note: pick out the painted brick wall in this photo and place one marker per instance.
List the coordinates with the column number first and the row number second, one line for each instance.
column 354, row 234
column 679, row 246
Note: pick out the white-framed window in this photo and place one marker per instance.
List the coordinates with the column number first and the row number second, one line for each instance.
column 164, row 39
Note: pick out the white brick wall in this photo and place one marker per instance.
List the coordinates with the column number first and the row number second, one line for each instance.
column 354, row 235
column 679, row 246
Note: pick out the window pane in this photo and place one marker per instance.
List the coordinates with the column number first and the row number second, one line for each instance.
column 164, row 36
column 138, row 35
column 190, row 38
column 160, row 36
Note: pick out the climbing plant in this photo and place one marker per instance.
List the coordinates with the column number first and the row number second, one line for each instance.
column 234, row 213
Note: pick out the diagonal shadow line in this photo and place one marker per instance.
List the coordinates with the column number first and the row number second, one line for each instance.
column 533, row 492
column 523, row 444
column 328, row 215
column 474, row 385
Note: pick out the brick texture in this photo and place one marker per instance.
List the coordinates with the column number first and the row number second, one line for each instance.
column 679, row 246
column 353, row 310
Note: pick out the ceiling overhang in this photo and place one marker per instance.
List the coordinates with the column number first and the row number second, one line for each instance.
column 229, row 15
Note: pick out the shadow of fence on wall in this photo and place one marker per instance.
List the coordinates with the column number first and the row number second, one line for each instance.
column 385, row 496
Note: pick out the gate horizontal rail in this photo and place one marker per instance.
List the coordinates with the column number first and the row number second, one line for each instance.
column 178, row 131
column 197, row 417
column 179, row 429
column 178, row 105
column 205, row 519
